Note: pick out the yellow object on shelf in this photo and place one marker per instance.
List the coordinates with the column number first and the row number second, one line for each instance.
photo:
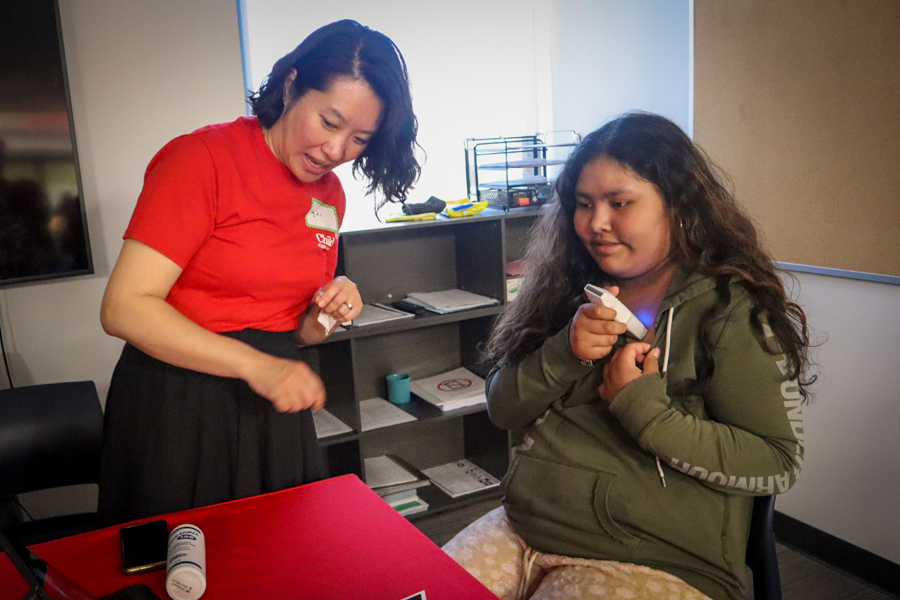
column 419, row 217
column 464, row 208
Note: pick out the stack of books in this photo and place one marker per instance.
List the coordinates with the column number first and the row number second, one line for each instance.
column 449, row 300
column 397, row 482
column 458, row 388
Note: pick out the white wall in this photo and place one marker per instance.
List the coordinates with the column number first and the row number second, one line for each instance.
column 472, row 69
column 141, row 72
column 487, row 68
column 851, row 478
column 614, row 56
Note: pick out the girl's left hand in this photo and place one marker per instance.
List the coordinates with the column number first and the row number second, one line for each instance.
column 624, row 368
column 340, row 299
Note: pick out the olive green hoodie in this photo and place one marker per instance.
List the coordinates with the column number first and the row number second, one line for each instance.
column 587, row 482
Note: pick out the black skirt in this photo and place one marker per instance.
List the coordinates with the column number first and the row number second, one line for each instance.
column 176, row 439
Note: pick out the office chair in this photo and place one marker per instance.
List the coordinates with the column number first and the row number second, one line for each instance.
column 761, row 556
column 49, row 437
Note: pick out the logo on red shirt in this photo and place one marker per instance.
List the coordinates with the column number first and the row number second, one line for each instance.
column 323, row 216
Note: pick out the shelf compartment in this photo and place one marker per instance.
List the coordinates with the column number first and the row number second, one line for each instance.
column 512, row 149
column 386, row 265
column 428, row 319
column 419, row 352
column 522, row 164
column 333, row 363
column 343, row 458
column 516, row 235
column 522, row 181
column 435, row 443
column 439, row 502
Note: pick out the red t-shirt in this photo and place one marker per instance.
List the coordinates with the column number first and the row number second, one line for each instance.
column 254, row 242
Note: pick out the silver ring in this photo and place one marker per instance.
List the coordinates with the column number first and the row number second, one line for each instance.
column 349, row 305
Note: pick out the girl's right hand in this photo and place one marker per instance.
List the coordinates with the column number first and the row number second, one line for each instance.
column 594, row 330
column 290, row 385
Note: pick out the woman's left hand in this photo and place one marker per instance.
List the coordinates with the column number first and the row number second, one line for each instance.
column 624, row 368
column 340, row 299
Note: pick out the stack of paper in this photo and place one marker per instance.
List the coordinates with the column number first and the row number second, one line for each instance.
column 327, row 424
column 396, row 482
column 461, row 477
column 450, row 300
column 448, row 391
column 379, row 313
column 375, row 413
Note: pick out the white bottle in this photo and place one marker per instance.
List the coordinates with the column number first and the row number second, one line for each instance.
column 186, row 564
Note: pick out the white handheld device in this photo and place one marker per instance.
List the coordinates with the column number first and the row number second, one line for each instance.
column 598, row 295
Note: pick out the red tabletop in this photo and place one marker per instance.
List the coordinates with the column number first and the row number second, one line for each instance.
column 331, row 539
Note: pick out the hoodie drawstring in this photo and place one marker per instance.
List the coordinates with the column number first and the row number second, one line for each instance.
column 527, row 562
column 665, row 367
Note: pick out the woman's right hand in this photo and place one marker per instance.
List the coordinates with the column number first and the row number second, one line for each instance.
column 135, row 310
column 290, row 385
column 594, row 330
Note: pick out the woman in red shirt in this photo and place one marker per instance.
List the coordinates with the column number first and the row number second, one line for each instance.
column 228, row 266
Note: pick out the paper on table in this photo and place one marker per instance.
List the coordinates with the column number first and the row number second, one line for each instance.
column 327, row 424
column 375, row 413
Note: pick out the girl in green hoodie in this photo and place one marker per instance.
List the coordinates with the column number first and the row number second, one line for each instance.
column 640, row 458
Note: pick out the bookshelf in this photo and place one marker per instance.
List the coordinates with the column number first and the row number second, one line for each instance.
column 388, row 261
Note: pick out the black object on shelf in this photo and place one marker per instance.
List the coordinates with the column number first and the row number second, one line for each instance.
column 407, row 306
column 433, row 204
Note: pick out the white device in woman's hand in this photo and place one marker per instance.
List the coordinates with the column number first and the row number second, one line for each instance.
column 598, row 295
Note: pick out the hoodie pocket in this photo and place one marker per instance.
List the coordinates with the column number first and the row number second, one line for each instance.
column 571, row 497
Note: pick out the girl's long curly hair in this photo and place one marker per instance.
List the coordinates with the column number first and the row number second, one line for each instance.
column 713, row 235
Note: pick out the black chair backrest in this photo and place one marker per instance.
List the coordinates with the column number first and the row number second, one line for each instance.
column 761, row 554
column 50, row 436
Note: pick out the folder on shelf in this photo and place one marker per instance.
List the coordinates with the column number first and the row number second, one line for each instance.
column 449, row 301
column 454, row 389
column 379, row 313
column 460, row 477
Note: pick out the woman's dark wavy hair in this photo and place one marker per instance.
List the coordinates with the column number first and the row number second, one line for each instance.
column 348, row 49
column 714, row 236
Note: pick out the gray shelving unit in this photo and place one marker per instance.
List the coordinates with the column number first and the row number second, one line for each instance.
column 387, row 261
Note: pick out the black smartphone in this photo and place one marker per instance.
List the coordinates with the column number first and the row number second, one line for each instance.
column 144, row 546
column 409, row 307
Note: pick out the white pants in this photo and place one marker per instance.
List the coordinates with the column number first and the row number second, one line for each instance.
column 494, row 554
